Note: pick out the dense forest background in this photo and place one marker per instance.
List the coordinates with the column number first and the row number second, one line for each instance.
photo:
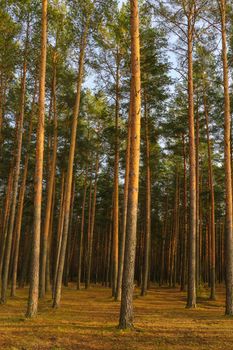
column 68, row 110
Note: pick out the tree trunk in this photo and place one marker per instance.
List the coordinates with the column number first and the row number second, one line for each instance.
column 34, row 277
column 147, row 242
column 51, row 179
column 191, row 295
column 92, row 225
column 69, row 178
column 8, row 247
column 80, row 250
column 126, row 311
column 19, row 218
column 197, row 199
column 227, row 158
column 184, row 241
column 116, row 185
column 212, row 203
column 125, row 205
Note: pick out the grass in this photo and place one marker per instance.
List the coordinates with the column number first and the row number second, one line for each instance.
column 87, row 320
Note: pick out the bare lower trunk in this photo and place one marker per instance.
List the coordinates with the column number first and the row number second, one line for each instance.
column 228, row 173
column 80, row 250
column 147, row 242
column 21, row 202
column 125, row 205
column 20, row 122
column 126, row 311
column 191, row 295
column 51, row 180
column 34, row 273
column 69, row 177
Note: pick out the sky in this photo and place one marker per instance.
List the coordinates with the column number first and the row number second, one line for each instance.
column 120, row 2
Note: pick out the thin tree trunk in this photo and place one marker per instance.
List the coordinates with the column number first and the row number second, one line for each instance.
column 197, row 198
column 60, row 228
column 6, row 216
column 69, row 178
column 80, row 250
column 51, row 179
column 92, row 225
column 20, row 122
column 18, row 225
column 125, row 205
column 228, row 173
column 34, row 277
column 147, row 242
column 191, row 295
column 212, row 203
column 116, row 185
column 184, row 241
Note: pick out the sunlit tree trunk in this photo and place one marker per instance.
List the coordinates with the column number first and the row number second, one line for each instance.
column 147, row 242
column 227, row 158
column 185, row 231
column 197, row 198
column 80, row 249
column 191, row 295
column 18, row 224
column 20, row 122
column 212, row 204
column 115, row 242
column 92, row 226
column 51, row 179
column 34, row 273
column 126, row 311
column 125, row 206
column 69, row 177
column 6, row 216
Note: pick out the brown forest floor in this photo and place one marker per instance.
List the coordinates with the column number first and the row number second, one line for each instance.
column 87, row 321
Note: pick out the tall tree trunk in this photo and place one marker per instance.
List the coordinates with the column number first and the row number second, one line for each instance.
column 6, row 216
column 92, row 226
column 126, row 311
column 191, row 295
column 8, row 247
column 147, row 242
column 125, row 206
column 185, row 231
column 115, row 243
column 80, row 250
column 51, row 179
column 69, row 177
column 197, row 198
column 35, row 258
column 228, row 173
column 59, row 229
column 212, row 202
column 19, row 218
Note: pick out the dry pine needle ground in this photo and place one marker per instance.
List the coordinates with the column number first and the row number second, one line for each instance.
column 87, row 320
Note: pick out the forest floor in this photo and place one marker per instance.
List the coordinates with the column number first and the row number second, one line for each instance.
column 87, row 320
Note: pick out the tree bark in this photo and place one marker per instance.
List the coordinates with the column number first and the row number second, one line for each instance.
column 51, row 179
column 20, row 122
column 147, row 242
column 125, row 205
column 191, row 295
column 126, row 311
column 228, row 173
column 18, row 225
column 115, row 240
column 212, row 203
column 80, row 250
column 57, row 292
column 34, row 273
